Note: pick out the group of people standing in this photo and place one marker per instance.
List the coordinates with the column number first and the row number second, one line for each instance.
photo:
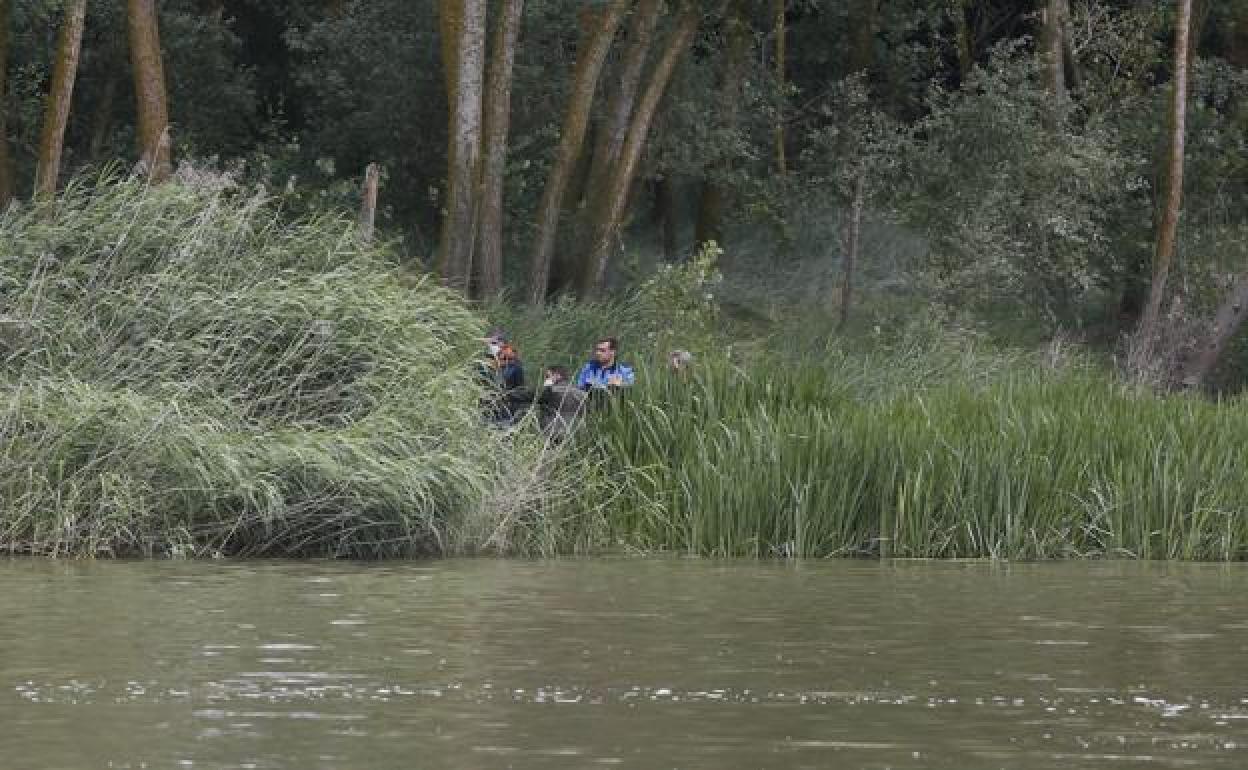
column 560, row 400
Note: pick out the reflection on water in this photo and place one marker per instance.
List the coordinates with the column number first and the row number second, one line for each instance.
column 655, row 663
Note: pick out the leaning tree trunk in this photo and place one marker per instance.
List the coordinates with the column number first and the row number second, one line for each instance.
column 489, row 256
column 8, row 183
column 1167, row 231
column 60, row 95
column 626, row 169
column 149, row 88
column 964, row 39
column 590, row 57
column 459, row 219
column 620, row 106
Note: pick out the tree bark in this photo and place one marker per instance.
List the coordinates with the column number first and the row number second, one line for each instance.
column 102, row 121
column 1167, row 231
column 368, row 202
column 149, row 88
column 1052, row 45
column 622, row 179
column 459, row 220
column 620, row 107
column 853, row 241
column 781, row 53
column 60, row 96
column 589, row 60
column 863, row 15
column 497, row 108
column 964, row 39
column 711, row 203
column 665, row 214
column 8, row 181
column 1226, row 322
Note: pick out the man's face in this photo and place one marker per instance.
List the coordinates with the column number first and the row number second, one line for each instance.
column 603, row 353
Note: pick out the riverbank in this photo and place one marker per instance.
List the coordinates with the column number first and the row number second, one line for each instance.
column 189, row 373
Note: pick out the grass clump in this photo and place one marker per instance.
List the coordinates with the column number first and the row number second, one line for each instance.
column 849, row 459
column 187, row 373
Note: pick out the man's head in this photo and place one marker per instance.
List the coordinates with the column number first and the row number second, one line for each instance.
column 494, row 341
column 605, row 351
column 555, row 375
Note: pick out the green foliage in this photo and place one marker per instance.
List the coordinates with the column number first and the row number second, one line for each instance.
column 187, row 373
column 923, row 453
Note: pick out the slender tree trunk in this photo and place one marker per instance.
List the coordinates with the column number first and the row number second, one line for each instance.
column 1167, row 231
column 620, row 107
column 497, row 107
column 102, row 121
column 864, row 14
column 964, row 39
column 1053, row 45
column 459, row 221
column 853, row 245
column 621, row 181
column 368, row 202
column 8, row 181
column 1226, row 323
column 589, row 60
column 665, row 215
column 149, row 88
column 781, row 54
column 712, row 201
column 60, row 95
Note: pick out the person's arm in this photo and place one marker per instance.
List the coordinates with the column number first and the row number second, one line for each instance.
column 626, row 374
column 582, row 378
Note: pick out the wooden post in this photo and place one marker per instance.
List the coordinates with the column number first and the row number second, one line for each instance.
column 368, row 202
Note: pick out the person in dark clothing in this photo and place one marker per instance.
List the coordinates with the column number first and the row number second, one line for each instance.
column 561, row 403
column 503, row 373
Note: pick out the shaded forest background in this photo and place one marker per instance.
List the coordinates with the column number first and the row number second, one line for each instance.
column 1003, row 166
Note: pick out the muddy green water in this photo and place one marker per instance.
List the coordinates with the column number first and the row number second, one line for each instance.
column 637, row 663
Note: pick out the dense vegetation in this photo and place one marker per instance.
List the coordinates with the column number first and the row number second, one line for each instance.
column 943, row 266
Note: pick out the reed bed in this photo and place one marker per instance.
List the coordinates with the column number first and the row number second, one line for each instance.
column 188, row 373
column 1022, row 462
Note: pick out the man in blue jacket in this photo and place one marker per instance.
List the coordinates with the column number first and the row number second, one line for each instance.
column 604, row 370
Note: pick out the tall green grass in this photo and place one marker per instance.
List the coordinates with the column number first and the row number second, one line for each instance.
column 187, row 372
column 842, row 459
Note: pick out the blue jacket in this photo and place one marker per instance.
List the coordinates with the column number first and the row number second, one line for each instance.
column 595, row 375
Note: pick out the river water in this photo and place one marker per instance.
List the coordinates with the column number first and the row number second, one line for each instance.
column 619, row 662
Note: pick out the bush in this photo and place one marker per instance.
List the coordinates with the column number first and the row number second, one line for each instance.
column 188, row 373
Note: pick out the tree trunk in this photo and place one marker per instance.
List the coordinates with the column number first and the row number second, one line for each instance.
column 781, row 53
column 459, row 220
column 964, row 38
column 853, row 241
column 497, row 107
column 102, row 121
column 589, row 60
column 621, row 181
column 8, row 182
column 149, row 88
column 863, row 14
column 368, row 202
column 665, row 214
column 1052, row 46
column 1226, row 322
column 710, row 222
column 1167, row 231
column 620, row 107
column 60, row 96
